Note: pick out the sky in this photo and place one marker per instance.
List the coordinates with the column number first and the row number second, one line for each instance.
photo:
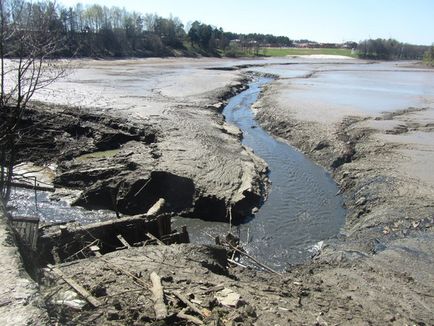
column 409, row 21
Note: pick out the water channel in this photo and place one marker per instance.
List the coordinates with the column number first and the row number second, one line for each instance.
column 302, row 208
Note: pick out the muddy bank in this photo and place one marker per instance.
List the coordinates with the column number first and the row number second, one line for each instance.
column 385, row 262
column 125, row 165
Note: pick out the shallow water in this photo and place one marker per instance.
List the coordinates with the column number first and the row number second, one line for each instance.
column 351, row 88
column 53, row 211
column 302, row 208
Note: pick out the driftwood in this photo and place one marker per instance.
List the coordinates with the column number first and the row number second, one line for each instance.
column 182, row 314
column 77, row 287
column 189, row 304
column 158, row 297
column 254, row 260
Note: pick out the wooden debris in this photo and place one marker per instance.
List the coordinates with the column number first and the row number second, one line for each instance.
column 182, row 314
column 77, row 287
column 158, row 297
column 116, row 268
column 215, row 288
column 95, row 250
column 123, row 241
column 255, row 260
column 236, row 263
column 157, row 207
column 188, row 303
column 152, row 237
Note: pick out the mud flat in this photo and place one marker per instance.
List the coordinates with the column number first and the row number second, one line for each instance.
column 163, row 116
column 371, row 125
column 178, row 138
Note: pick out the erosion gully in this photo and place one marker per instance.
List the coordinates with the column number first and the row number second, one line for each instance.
column 301, row 213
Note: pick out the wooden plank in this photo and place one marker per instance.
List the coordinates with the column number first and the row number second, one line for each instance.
column 30, row 219
column 123, row 241
column 77, row 287
column 152, row 237
column 95, row 250
column 27, row 229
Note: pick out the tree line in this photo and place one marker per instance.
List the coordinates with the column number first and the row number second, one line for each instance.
column 390, row 49
column 428, row 57
column 100, row 31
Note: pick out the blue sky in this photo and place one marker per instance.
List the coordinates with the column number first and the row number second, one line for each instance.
column 320, row 20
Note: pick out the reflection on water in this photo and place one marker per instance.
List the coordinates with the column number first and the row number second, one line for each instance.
column 53, row 211
column 302, row 208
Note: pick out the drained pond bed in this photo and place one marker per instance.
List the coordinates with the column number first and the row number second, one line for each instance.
column 300, row 213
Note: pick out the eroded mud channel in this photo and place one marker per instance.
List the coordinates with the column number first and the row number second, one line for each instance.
column 302, row 210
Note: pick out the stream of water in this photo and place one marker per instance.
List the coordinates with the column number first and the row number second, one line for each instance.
column 302, row 208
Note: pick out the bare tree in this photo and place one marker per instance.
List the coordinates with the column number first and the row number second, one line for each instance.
column 29, row 42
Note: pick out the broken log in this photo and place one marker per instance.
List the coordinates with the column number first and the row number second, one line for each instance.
column 158, row 297
column 77, row 287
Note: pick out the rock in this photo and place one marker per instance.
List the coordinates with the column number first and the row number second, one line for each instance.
column 228, row 297
column 321, row 145
column 70, row 299
column 361, row 201
column 250, row 311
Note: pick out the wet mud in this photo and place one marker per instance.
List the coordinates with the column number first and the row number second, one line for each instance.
column 381, row 270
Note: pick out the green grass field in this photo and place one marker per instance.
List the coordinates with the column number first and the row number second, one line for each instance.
column 281, row 52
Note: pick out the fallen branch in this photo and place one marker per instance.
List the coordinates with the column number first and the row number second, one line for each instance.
column 236, row 263
column 190, row 318
column 77, row 287
column 119, row 269
column 188, row 303
column 254, row 260
column 158, row 297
